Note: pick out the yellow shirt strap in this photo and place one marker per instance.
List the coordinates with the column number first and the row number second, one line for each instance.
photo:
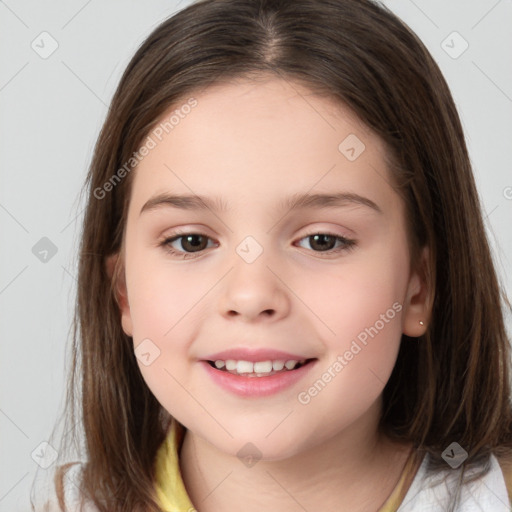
column 169, row 486
column 173, row 497
column 397, row 496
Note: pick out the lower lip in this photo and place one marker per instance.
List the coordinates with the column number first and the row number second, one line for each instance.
column 257, row 386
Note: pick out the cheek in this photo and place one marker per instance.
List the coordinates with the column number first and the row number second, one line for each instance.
column 364, row 312
column 353, row 297
column 164, row 305
column 164, row 308
column 161, row 295
column 360, row 306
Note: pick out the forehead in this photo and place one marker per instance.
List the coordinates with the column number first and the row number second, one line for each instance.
column 257, row 140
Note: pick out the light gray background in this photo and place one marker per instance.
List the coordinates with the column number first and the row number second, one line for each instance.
column 51, row 112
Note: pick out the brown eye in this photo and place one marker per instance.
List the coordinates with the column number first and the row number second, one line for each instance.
column 322, row 242
column 326, row 242
column 193, row 243
column 189, row 243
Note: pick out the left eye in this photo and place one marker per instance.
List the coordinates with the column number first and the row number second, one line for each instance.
column 325, row 242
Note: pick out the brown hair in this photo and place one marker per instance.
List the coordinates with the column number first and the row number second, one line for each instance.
column 452, row 384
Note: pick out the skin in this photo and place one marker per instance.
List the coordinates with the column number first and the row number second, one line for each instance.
column 254, row 144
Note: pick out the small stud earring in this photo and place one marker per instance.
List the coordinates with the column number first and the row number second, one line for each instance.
column 421, row 322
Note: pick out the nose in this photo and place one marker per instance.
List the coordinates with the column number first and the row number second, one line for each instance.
column 253, row 292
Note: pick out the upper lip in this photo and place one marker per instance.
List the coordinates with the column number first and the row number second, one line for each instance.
column 254, row 355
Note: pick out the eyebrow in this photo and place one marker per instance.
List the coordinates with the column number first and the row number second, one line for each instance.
column 294, row 202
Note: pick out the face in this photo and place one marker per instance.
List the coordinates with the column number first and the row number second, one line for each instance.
column 297, row 251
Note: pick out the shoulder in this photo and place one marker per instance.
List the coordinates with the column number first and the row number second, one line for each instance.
column 505, row 463
column 491, row 492
column 66, row 479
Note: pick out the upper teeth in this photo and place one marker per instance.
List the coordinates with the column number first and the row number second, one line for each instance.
column 256, row 367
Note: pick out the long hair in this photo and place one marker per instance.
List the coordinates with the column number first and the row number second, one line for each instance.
column 451, row 384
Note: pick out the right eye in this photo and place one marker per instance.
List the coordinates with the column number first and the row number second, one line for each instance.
column 186, row 244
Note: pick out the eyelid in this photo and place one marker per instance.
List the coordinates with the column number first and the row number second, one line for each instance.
column 189, row 230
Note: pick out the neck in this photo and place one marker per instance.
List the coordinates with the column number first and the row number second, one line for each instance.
column 356, row 469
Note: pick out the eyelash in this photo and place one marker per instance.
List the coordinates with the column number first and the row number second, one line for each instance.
column 347, row 244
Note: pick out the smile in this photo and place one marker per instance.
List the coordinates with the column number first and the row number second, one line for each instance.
column 253, row 379
column 257, row 368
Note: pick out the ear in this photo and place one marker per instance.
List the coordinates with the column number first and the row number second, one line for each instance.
column 418, row 300
column 116, row 273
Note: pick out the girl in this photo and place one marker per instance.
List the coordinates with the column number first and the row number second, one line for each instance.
column 286, row 298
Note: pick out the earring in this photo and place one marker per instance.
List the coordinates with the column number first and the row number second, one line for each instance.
column 421, row 322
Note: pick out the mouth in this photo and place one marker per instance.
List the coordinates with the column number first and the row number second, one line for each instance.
column 255, row 369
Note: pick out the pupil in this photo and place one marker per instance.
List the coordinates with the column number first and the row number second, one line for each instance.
column 195, row 242
column 323, row 242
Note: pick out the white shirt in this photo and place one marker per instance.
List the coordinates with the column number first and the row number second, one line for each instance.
column 426, row 493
